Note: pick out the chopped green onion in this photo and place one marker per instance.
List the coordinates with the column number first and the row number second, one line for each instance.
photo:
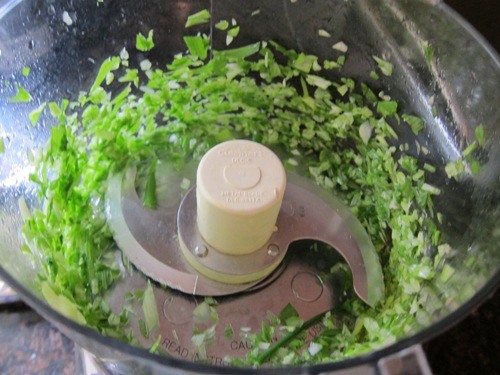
column 145, row 65
column 22, row 95
column 318, row 81
column 374, row 75
column 222, row 25
column 150, row 310
column 143, row 43
column 431, row 189
column 35, row 114
column 143, row 328
column 479, row 132
column 323, row 33
column 62, row 304
column 387, row 108
column 24, row 209
column 231, row 34
column 475, row 167
column 470, row 149
column 197, row 45
column 229, row 332
column 385, row 66
column 365, row 132
column 107, row 66
column 416, row 123
column 234, row 31
column 428, row 52
column 239, row 53
column 454, row 168
column 429, row 168
column 447, row 273
column 155, row 346
column 340, row 46
column 203, row 16
column 149, row 199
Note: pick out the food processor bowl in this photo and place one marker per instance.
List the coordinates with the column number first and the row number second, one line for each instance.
column 443, row 71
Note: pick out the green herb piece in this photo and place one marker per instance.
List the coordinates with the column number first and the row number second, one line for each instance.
column 145, row 65
column 222, row 25
column 323, row 33
column 374, row 75
column 197, row 45
column 124, row 55
column 131, row 75
column 365, row 132
column 318, row 81
column 416, row 123
column 468, row 151
column 475, row 167
column 385, row 66
column 229, row 332
column 387, row 108
column 202, row 313
column 203, row 16
column 143, row 328
column 110, row 77
column 428, row 52
column 23, row 209
column 143, row 43
column 264, row 356
column 149, row 199
column 150, row 310
column 447, row 273
column 288, row 312
column 304, row 62
column 35, row 114
column 106, row 67
column 154, row 348
column 231, row 34
column 2, row 145
column 62, row 304
column 454, row 168
column 431, row 189
column 341, row 60
column 26, row 71
column 22, row 95
column 185, row 184
column 327, row 64
column 429, row 168
column 239, row 53
column 340, row 46
column 479, row 132
column 55, row 110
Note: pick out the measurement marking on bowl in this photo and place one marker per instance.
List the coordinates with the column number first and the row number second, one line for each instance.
column 177, row 310
column 307, row 286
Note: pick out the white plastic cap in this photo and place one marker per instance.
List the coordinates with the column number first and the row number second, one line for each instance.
column 240, row 187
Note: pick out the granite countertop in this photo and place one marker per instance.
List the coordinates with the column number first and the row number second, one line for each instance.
column 31, row 345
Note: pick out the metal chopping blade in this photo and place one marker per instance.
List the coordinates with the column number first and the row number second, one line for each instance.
column 158, row 241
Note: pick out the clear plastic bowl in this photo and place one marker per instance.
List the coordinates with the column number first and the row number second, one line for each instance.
column 455, row 91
